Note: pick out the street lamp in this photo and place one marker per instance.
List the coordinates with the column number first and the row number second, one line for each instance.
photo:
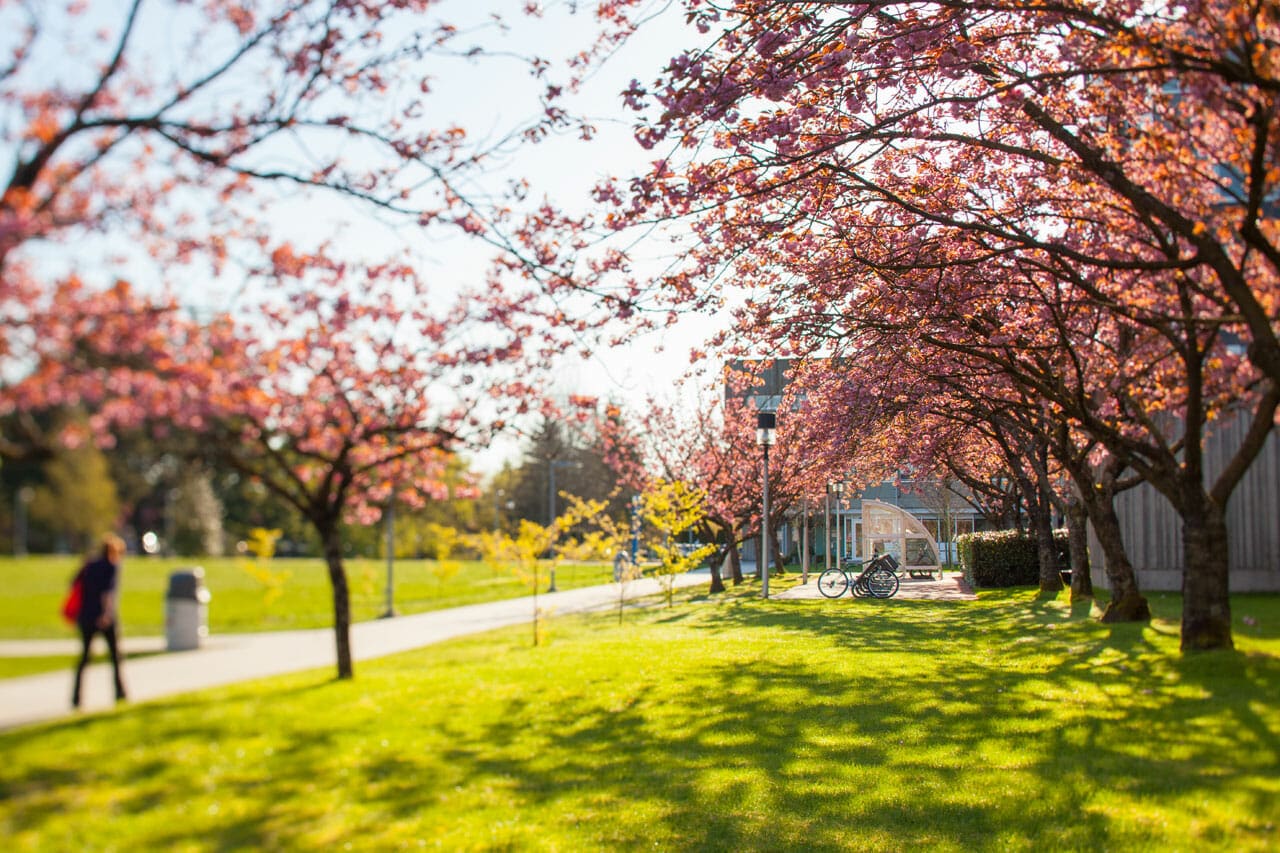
column 826, row 525
column 389, row 523
column 636, row 505
column 20, row 517
column 170, row 522
column 766, row 424
column 837, row 490
column 552, row 465
column 498, row 494
column 804, row 541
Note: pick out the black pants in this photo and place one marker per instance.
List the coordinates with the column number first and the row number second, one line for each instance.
column 86, row 640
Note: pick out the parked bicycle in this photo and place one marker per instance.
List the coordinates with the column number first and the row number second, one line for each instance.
column 875, row 580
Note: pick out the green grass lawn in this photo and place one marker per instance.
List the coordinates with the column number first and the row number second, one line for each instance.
column 33, row 588
column 724, row 724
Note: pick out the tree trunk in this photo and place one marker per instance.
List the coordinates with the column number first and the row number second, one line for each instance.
column 779, row 561
column 1036, row 496
column 715, row 562
column 1206, row 604
column 735, row 559
column 1046, row 545
column 1078, row 543
column 1127, row 602
column 1046, row 552
column 332, row 539
column 1095, row 489
column 717, row 582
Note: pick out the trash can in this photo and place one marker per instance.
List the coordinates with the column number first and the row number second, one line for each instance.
column 186, row 610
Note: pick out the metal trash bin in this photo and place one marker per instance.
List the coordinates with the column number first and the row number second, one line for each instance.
column 186, row 610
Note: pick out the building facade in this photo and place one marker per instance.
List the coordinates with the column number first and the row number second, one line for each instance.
column 1153, row 532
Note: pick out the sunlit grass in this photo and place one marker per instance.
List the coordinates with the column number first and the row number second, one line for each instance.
column 31, row 590
column 723, row 724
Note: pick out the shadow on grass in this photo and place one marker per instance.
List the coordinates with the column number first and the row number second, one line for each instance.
column 876, row 760
column 829, row 726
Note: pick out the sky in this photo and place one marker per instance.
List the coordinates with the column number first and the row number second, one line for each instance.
column 567, row 168
column 484, row 96
column 651, row 365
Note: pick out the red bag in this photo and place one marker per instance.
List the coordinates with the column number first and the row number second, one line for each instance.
column 71, row 607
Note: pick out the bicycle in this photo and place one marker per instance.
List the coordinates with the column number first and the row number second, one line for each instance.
column 876, row 580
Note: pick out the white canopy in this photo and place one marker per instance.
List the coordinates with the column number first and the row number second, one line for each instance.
column 887, row 529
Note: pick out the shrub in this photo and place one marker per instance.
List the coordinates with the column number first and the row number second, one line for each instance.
column 1005, row 558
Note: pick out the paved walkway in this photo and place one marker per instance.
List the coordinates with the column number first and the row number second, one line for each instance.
column 950, row 587
column 229, row 658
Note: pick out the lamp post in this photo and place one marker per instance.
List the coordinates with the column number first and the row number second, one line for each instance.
column 498, row 494
column 170, row 522
column 766, row 425
column 804, row 541
column 837, row 489
column 826, row 529
column 552, row 465
column 20, row 516
column 635, row 531
column 389, row 523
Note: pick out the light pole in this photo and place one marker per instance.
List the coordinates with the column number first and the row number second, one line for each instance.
column 170, row 522
column 552, row 465
column 20, row 515
column 635, row 531
column 804, row 541
column 826, row 528
column 837, row 489
column 498, row 494
column 389, row 522
column 766, row 424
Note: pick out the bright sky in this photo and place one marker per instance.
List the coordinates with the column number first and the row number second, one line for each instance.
column 567, row 168
column 486, row 96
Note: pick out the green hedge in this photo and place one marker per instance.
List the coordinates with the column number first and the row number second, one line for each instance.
column 1005, row 558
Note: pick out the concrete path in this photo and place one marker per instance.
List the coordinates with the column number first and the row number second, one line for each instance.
column 228, row 658
column 950, row 587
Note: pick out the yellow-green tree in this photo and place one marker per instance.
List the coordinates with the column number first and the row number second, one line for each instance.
column 535, row 547
column 605, row 539
column 669, row 508
column 261, row 543
column 444, row 542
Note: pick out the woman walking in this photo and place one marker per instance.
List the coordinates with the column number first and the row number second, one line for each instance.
column 100, row 584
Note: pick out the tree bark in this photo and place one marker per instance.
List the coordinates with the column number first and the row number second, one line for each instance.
column 717, row 582
column 1041, row 524
column 1078, row 543
column 1095, row 491
column 735, row 559
column 341, row 597
column 1036, row 496
column 1127, row 602
column 1046, row 551
column 1206, row 603
column 1046, row 545
column 779, row 561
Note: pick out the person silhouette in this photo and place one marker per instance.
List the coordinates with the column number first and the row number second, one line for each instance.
column 99, row 607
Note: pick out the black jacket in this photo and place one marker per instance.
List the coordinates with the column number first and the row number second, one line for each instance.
column 98, row 576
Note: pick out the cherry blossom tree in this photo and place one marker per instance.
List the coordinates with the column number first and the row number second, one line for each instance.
column 903, row 411
column 328, row 393
column 900, row 158
column 180, row 143
column 703, row 448
column 711, row 446
column 338, row 401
